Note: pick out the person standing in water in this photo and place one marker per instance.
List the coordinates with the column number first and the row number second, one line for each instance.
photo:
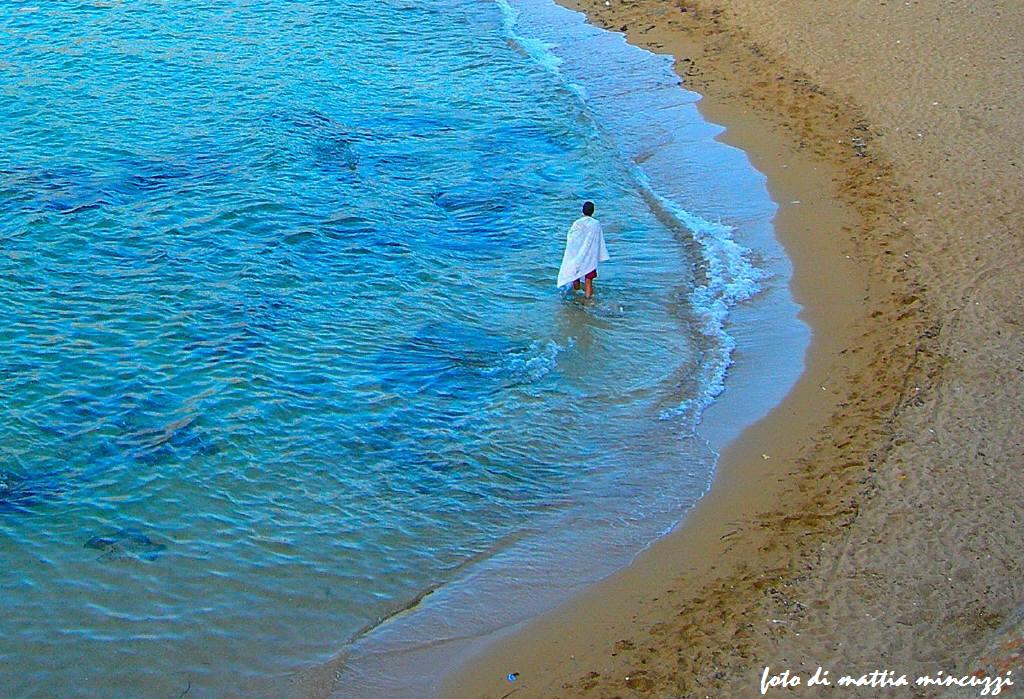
column 584, row 249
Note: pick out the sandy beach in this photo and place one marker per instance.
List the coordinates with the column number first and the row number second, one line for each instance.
column 873, row 520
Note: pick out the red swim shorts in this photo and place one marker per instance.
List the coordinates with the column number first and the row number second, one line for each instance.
column 590, row 275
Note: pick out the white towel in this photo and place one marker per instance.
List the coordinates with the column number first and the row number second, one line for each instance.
column 584, row 248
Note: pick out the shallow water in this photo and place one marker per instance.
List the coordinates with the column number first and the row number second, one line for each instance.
column 282, row 350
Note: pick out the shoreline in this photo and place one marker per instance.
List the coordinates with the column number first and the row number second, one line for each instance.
column 771, row 548
column 572, row 642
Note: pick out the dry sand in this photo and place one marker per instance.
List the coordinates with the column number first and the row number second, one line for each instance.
column 883, row 531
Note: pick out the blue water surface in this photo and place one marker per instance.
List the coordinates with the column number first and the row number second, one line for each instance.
column 281, row 349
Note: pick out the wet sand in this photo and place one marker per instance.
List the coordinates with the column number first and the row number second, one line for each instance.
column 873, row 520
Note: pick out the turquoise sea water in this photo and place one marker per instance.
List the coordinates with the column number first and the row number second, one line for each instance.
column 282, row 351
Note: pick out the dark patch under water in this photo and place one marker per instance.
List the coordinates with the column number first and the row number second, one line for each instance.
column 326, row 143
column 125, row 544
column 20, row 493
column 71, row 188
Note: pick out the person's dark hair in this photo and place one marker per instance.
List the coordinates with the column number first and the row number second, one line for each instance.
column 588, row 208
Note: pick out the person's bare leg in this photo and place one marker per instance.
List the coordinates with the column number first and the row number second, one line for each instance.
column 576, row 285
column 588, row 287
